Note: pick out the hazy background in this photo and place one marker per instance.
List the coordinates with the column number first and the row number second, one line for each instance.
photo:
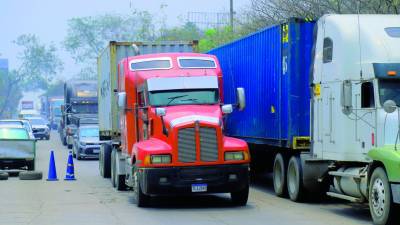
column 48, row 19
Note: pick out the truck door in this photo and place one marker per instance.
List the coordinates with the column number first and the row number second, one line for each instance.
column 365, row 116
column 142, row 118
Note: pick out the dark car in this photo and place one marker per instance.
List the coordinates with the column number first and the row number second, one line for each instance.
column 86, row 142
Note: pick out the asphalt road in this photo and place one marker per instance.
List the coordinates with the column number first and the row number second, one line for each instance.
column 91, row 200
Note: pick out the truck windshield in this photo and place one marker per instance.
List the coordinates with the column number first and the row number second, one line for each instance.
column 89, row 132
column 389, row 90
column 183, row 97
column 84, row 108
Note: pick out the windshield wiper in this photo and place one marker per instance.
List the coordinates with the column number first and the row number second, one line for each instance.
column 171, row 99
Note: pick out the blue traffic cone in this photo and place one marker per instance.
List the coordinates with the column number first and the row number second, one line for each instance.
column 52, row 175
column 70, row 168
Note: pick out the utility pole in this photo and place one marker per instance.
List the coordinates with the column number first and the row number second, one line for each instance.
column 231, row 14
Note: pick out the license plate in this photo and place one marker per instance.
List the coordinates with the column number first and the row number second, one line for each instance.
column 96, row 150
column 199, row 187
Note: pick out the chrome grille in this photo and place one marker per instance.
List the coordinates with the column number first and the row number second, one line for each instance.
column 208, row 144
column 187, row 145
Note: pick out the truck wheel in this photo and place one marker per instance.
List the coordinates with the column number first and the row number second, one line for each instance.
column 279, row 175
column 30, row 165
column 294, row 180
column 240, row 198
column 383, row 210
column 141, row 199
column 3, row 176
column 78, row 155
column 118, row 181
column 105, row 161
column 30, row 175
column 113, row 169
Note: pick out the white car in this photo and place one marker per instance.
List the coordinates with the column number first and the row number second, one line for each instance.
column 18, row 123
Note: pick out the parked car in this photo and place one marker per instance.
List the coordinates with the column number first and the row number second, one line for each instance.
column 86, row 142
column 25, row 123
column 17, row 149
column 40, row 128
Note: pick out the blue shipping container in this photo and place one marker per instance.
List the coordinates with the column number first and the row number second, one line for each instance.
column 273, row 65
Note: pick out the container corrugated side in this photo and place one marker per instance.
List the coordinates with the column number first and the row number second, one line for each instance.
column 272, row 68
column 107, row 76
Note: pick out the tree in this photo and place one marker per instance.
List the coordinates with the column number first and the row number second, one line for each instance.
column 189, row 31
column 266, row 12
column 87, row 36
column 215, row 37
column 39, row 63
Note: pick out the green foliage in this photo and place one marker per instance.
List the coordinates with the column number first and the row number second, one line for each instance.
column 216, row 37
column 55, row 89
column 87, row 36
column 39, row 62
column 187, row 32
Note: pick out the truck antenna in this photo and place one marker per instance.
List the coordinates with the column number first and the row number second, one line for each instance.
column 359, row 36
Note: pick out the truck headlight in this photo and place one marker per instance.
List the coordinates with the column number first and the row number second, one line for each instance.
column 160, row 159
column 231, row 156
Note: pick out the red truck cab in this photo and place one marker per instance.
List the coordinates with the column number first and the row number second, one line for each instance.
column 171, row 121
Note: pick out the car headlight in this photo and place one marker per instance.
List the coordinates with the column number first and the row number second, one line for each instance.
column 232, row 156
column 160, row 159
column 82, row 143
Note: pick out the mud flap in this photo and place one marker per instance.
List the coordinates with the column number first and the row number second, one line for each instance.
column 314, row 171
column 395, row 193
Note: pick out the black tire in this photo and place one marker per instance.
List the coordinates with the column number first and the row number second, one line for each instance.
column 30, row 175
column 279, row 175
column 113, row 169
column 4, row 176
column 105, row 161
column 382, row 209
column 30, row 165
column 294, row 180
column 240, row 198
column 141, row 199
column 118, row 181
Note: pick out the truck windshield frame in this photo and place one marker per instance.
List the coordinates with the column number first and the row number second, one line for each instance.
column 389, row 90
column 183, row 97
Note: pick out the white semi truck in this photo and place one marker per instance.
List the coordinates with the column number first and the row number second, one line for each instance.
column 323, row 107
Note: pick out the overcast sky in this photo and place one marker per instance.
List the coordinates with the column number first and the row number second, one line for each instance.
column 48, row 18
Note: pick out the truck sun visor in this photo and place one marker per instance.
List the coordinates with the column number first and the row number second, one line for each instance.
column 176, row 83
column 387, row 70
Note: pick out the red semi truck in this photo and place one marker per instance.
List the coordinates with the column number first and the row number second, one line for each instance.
column 170, row 139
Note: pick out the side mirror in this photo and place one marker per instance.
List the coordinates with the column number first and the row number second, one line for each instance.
column 122, row 100
column 389, row 106
column 227, row 109
column 161, row 112
column 241, row 98
column 347, row 97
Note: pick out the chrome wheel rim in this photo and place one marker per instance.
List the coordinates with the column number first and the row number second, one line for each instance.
column 378, row 197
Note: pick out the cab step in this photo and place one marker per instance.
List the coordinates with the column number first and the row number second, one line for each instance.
column 345, row 197
column 343, row 174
